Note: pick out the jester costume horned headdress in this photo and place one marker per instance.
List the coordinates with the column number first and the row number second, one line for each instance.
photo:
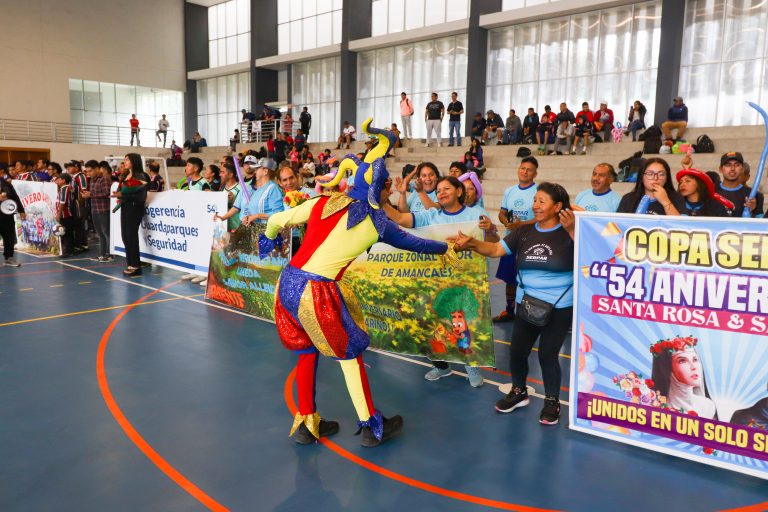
column 314, row 313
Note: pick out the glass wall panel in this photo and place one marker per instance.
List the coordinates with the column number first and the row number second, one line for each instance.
column 723, row 58
column 315, row 85
column 418, row 69
column 229, row 27
column 592, row 56
column 390, row 16
column 219, row 101
column 305, row 25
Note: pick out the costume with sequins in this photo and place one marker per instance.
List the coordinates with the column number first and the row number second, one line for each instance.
column 314, row 312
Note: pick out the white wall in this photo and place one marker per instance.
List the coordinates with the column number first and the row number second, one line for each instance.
column 44, row 43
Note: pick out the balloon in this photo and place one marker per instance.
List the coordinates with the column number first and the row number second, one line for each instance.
column 582, row 361
column 586, row 381
column 592, row 362
column 586, row 343
column 763, row 155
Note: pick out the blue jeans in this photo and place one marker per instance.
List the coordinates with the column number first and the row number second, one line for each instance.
column 512, row 136
column 454, row 125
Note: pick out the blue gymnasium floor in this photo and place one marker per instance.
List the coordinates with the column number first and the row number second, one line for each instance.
column 204, row 388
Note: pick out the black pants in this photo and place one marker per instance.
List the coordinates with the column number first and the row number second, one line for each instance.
column 130, row 220
column 551, row 338
column 68, row 240
column 81, row 231
column 8, row 234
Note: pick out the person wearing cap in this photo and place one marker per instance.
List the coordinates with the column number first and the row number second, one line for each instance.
column 250, row 163
column 261, row 199
column 493, row 125
column 600, row 198
column 603, row 120
column 7, row 223
column 701, row 200
column 677, row 119
column 733, row 188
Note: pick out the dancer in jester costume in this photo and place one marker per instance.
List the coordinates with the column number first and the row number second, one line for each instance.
column 314, row 313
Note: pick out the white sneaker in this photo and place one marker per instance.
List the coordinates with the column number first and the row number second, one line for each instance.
column 187, row 277
column 204, row 282
column 197, row 279
column 11, row 262
column 437, row 373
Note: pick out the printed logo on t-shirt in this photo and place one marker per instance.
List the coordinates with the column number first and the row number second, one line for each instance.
column 519, row 203
column 591, row 208
column 538, row 252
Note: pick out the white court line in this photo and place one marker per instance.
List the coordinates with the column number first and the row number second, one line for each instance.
column 26, row 263
column 241, row 313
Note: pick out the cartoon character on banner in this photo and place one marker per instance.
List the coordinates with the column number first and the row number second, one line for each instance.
column 459, row 305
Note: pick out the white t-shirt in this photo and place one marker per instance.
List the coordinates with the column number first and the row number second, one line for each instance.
column 163, row 125
column 349, row 130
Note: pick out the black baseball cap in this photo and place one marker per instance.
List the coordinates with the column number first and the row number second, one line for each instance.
column 732, row 155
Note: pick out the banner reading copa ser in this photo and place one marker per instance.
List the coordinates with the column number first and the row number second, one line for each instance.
column 35, row 233
column 671, row 333
column 177, row 229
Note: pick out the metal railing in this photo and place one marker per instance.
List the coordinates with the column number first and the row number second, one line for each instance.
column 261, row 130
column 48, row 131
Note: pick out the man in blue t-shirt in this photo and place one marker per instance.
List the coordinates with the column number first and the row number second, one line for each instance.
column 600, row 198
column 516, row 210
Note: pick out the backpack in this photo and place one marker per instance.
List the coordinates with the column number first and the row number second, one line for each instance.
column 651, row 146
column 651, row 133
column 704, row 145
column 523, row 152
column 631, row 167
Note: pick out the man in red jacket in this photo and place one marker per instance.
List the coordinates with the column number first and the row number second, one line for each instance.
column 135, row 129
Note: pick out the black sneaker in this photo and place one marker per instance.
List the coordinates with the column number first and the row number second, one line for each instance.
column 550, row 414
column 392, row 427
column 518, row 397
column 304, row 436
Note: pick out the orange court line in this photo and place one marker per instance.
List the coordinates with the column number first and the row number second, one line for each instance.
column 130, row 431
column 477, row 500
column 87, row 311
column 759, row 507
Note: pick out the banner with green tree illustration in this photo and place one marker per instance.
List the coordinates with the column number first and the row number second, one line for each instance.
column 414, row 306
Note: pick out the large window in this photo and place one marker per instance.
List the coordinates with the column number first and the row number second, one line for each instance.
column 107, row 105
column 723, row 62
column 307, row 24
column 418, row 69
column 317, row 85
column 389, row 16
column 508, row 5
column 229, row 33
column 219, row 102
column 608, row 55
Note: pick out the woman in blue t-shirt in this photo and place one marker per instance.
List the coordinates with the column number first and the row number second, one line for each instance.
column 545, row 271
column 423, row 190
column 450, row 199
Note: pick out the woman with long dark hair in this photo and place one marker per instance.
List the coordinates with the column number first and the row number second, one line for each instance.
column 132, row 194
column 653, row 193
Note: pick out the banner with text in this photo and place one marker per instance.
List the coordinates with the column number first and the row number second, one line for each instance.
column 34, row 234
column 671, row 335
column 412, row 305
column 177, row 229
column 237, row 277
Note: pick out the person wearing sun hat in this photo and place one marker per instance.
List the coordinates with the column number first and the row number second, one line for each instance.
column 701, row 200
column 733, row 188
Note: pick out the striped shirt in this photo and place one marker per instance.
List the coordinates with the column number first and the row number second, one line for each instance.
column 65, row 198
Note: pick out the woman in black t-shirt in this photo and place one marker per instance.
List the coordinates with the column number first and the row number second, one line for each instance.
column 699, row 195
column 654, row 181
column 544, row 253
column 132, row 210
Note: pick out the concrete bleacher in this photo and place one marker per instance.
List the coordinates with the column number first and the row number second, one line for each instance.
column 571, row 171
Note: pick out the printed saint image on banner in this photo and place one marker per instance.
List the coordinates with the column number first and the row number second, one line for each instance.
column 671, row 335
column 412, row 305
column 34, row 234
column 237, row 277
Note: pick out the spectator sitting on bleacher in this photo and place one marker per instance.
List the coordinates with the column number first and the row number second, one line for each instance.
column 583, row 128
column 530, row 126
column 288, row 139
column 545, row 134
column 677, row 119
column 563, row 138
column 603, row 121
column 325, row 155
column 565, row 115
column 600, row 198
column 478, row 126
column 493, row 127
column 281, row 148
column 288, row 123
column 513, row 128
column 198, row 141
column 457, row 169
column 300, row 140
column 636, row 119
column 176, row 151
column 347, row 135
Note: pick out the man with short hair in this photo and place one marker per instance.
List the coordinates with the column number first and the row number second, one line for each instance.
column 493, row 124
column 250, row 164
column 305, row 120
column 433, row 117
column 406, row 113
column 583, row 130
column 677, row 119
column 134, row 129
column 300, row 139
column 231, row 186
column 156, row 182
column 530, row 126
column 516, row 210
column 79, row 187
column 281, row 147
column 99, row 193
column 565, row 115
column 600, row 198
column 347, row 135
column 455, row 109
column 513, row 128
column 733, row 189
column 478, row 126
column 162, row 128
column 41, row 170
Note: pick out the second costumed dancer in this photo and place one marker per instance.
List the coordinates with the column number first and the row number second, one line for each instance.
column 314, row 313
